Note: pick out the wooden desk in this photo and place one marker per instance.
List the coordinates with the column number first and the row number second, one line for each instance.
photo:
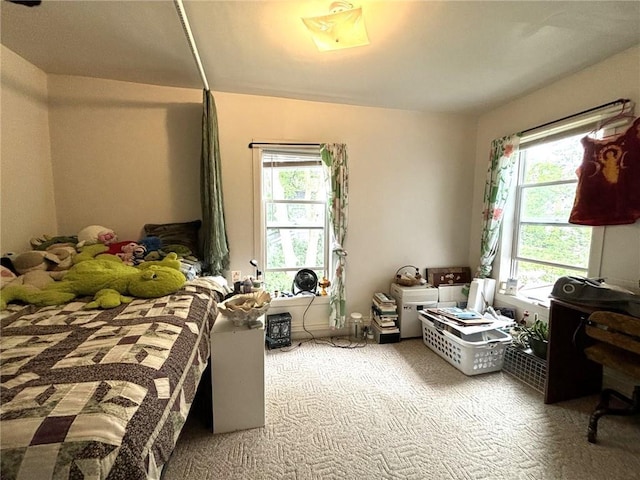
column 569, row 373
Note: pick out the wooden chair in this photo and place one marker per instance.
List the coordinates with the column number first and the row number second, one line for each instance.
column 617, row 346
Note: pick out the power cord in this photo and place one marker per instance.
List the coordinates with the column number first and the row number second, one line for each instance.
column 304, row 328
column 332, row 340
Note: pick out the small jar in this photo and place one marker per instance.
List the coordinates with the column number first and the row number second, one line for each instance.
column 356, row 320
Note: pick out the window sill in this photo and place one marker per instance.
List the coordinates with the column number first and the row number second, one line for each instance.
column 520, row 301
column 522, row 304
column 299, row 301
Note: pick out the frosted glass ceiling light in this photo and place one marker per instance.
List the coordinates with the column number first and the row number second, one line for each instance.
column 342, row 28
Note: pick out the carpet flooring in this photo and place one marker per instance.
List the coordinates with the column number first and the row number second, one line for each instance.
column 398, row 411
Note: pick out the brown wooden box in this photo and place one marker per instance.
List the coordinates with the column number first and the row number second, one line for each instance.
column 448, row 276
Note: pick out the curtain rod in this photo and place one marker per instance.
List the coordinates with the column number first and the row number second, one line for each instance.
column 192, row 43
column 589, row 110
column 284, row 144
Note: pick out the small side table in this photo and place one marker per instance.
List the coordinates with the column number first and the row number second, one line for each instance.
column 237, row 376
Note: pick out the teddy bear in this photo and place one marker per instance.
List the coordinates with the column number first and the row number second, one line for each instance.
column 6, row 276
column 33, row 269
column 130, row 252
column 36, row 280
column 96, row 234
column 135, row 252
column 65, row 254
column 34, row 260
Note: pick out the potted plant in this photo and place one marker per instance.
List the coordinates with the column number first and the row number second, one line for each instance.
column 537, row 336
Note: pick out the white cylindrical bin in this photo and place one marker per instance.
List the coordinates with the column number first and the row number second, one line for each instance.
column 356, row 329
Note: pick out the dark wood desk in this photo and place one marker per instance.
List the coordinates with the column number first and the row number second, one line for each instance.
column 569, row 373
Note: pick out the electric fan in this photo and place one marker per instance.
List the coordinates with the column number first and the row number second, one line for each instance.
column 305, row 281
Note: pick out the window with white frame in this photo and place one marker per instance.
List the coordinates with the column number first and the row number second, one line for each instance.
column 292, row 226
column 545, row 246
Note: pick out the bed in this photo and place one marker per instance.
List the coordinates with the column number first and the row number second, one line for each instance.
column 101, row 393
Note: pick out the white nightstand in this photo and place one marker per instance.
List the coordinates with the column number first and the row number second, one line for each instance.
column 237, row 376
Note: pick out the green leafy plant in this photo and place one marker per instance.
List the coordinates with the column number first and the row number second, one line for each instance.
column 539, row 331
column 537, row 337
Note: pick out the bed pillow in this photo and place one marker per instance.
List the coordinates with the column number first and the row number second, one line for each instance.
column 185, row 233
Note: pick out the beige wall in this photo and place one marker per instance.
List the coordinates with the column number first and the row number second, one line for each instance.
column 27, row 206
column 127, row 154
column 616, row 77
column 124, row 154
column 409, row 185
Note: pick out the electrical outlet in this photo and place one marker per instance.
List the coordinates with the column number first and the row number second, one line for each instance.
column 236, row 275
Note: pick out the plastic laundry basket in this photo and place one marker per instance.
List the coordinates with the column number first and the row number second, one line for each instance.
column 482, row 355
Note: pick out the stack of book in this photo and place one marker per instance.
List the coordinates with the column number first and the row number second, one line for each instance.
column 461, row 316
column 384, row 313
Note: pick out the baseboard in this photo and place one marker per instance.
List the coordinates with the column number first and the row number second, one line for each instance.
column 309, row 316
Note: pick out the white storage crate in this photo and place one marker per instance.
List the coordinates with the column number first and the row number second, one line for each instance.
column 480, row 352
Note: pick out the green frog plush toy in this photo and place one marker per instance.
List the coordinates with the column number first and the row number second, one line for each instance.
column 107, row 279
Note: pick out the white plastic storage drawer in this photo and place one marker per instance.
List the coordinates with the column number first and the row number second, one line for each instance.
column 481, row 352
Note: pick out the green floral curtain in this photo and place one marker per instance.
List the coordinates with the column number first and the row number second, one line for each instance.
column 504, row 153
column 215, row 250
column 334, row 157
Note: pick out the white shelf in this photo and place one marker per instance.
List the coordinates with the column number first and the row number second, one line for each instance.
column 237, row 376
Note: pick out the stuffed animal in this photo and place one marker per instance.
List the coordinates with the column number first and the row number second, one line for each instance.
column 35, row 269
column 6, row 276
column 151, row 243
column 46, row 241
column 116, row 247
column 180, row 250
column 131, row 253
column 96, row 234
column 36, row 280
column 34, row 260
column 109, row 282
column 65, row 254
column 136, row 251
column 91, row 251
column 126, row 258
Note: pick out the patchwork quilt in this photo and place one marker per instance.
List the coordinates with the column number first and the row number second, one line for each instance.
column 101, row 393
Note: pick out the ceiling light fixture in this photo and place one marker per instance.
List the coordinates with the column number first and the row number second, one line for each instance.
column 343, row 27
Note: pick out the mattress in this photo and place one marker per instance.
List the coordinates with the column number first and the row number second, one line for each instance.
column 101, row 393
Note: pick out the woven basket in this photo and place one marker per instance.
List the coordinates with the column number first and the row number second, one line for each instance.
column 408, row 276
column 245, row 308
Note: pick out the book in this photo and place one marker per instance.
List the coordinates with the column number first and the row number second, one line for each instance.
column 384, row 304
column 384, row 299
column 460, row 313
column 384, row 312
column 384, row 322
column 385, row 330
column 460, row 316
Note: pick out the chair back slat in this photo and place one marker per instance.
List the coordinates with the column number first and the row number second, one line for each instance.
column 613, row 338
column 623, row 323
column 622, row 331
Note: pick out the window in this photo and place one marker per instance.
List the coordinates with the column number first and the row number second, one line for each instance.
column 544, row 246
column 292, row 225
